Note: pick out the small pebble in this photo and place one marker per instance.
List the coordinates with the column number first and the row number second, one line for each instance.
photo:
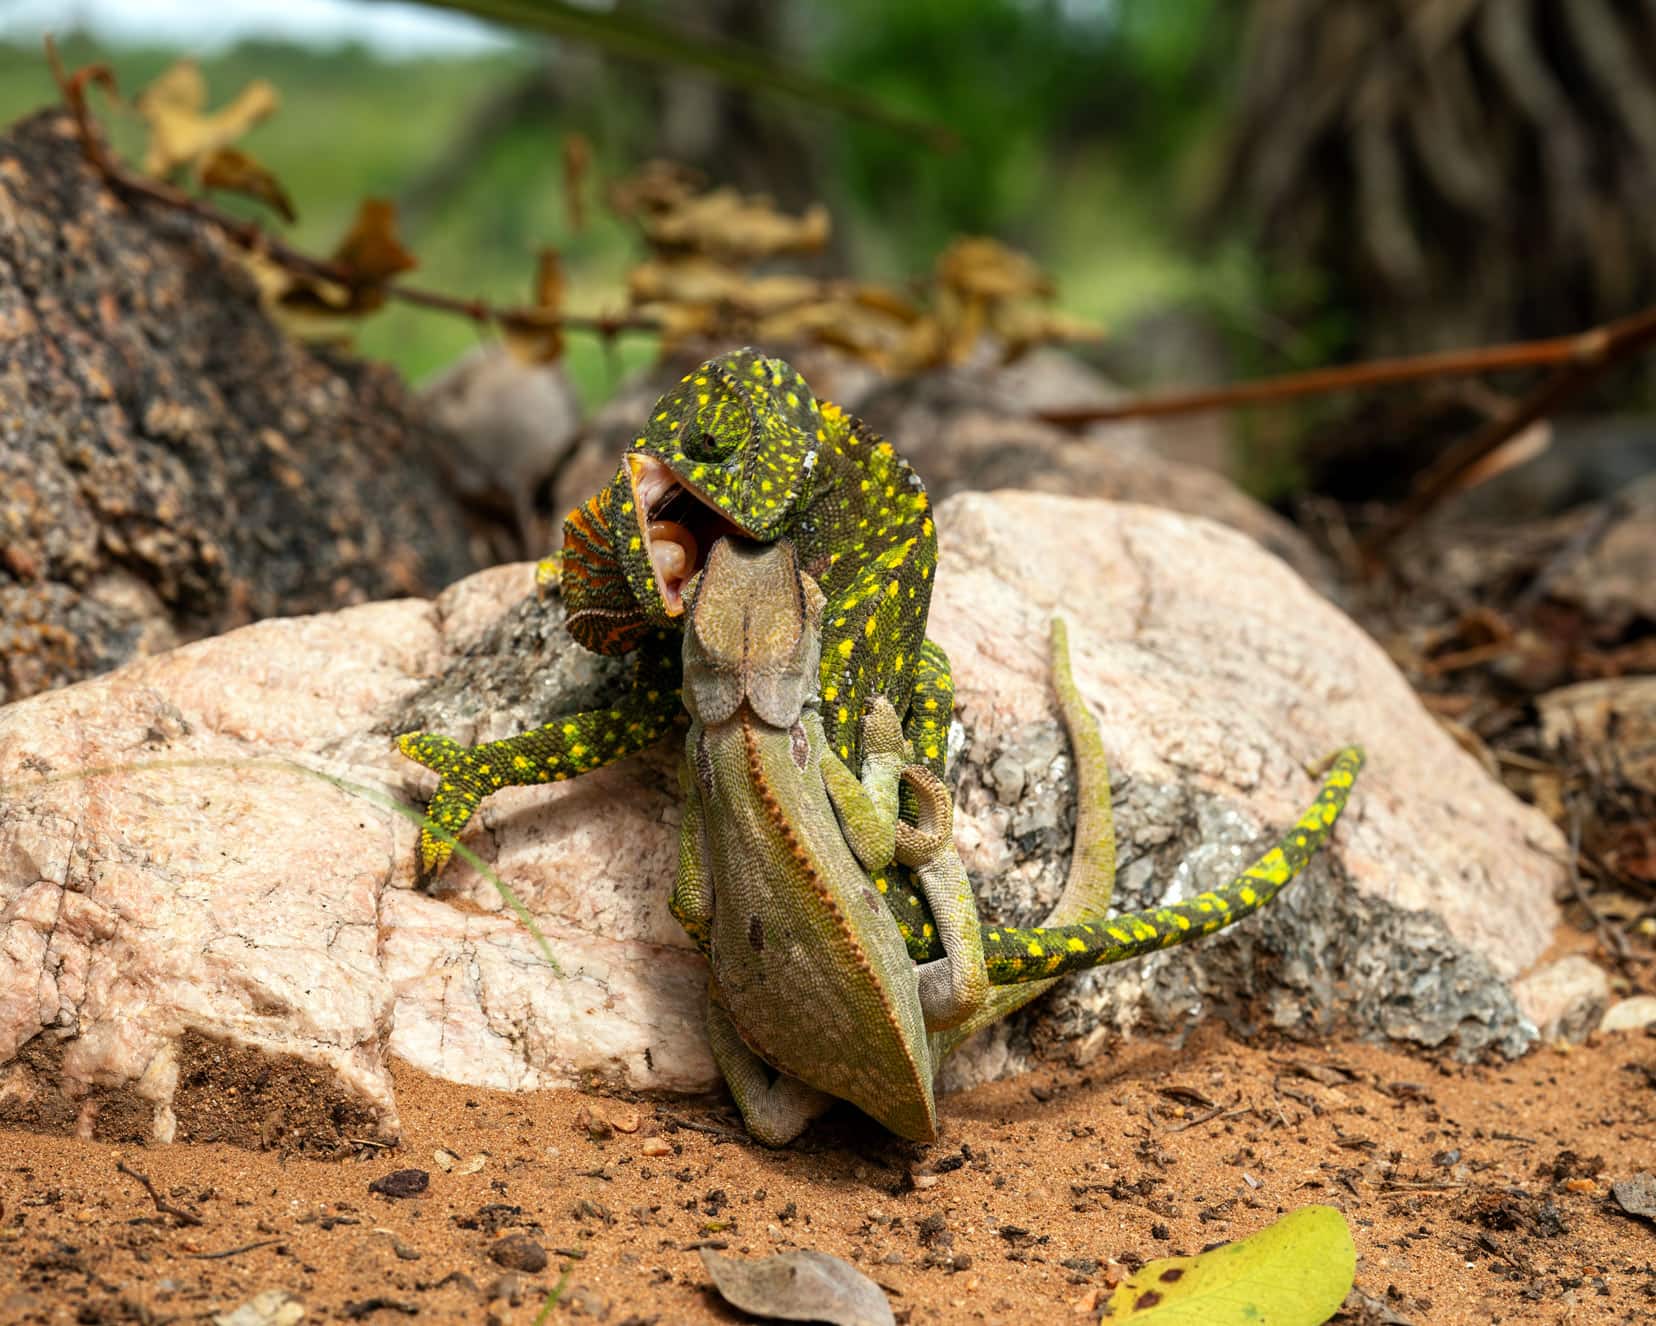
column 401, row 1183
column 518, row 1252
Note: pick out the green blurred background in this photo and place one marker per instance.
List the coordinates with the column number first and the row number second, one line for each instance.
column 1074, row 124
column 1282, row 183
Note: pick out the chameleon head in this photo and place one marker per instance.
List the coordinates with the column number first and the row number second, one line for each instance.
column 753, row 632
column 730, row 450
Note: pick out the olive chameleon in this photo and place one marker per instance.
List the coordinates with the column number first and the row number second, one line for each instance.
column 812, row 993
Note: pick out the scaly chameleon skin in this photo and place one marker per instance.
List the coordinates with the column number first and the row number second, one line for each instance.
column 812, row 994
column 754, row 453
column 1013, row 955
column 573, row 744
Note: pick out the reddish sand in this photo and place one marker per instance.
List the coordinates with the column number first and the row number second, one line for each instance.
column 1476, row 1195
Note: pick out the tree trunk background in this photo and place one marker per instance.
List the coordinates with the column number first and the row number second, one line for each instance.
column 171, row 463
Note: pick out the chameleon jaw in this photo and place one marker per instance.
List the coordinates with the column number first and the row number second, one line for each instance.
column 677, row 524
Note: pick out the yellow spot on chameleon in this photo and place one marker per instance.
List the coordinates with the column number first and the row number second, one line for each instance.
column 1248, row 896
column 1076, row 946
column 1035, row 950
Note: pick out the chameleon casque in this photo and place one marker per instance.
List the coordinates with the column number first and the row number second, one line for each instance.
column 809, row 974
column 740, row 446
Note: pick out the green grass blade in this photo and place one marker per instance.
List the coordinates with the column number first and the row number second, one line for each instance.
column 745, row 67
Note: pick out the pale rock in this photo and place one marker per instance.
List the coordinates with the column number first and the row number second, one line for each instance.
column 1609, row 722
column 199, row 939
column 1564, row 999
column 515, row 423
column 1633, row 1014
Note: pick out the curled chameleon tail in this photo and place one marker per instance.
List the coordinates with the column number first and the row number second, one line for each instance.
column 1079, row 934
column 1015, row 955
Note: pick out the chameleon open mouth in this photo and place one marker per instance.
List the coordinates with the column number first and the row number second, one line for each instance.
column 677, row 524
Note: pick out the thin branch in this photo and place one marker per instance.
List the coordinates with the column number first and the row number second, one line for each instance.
column 1600, row 350
column 253, row 238
column 641, row 37
column 1584, row 347
column 235, row 1252
column 161, row 1203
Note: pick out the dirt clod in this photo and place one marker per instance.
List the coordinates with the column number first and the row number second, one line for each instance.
column 401, row 1183
column 518, row 1252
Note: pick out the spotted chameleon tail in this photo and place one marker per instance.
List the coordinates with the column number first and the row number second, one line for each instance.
column 1015, row 956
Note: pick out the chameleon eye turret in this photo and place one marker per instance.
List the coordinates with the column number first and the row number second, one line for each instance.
column 724, row 451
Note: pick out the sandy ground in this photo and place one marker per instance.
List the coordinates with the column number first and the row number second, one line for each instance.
column 1475, row 1195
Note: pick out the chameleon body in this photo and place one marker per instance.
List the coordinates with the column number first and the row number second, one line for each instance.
column 812, row 994
column 739, row 446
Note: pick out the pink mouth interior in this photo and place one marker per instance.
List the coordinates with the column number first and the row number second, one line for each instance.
column 678, row 527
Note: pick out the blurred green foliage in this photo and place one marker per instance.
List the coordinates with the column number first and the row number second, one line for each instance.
column 352, row 126
column 1084, row 130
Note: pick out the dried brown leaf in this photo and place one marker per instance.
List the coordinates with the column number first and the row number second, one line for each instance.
column 182, row 131
column 732, row 224
column 371, row 253
column 656, row 186
column 801, row 1285
column 986, row 268
column 536, row 337
column 231, row 170
column 1024, row 327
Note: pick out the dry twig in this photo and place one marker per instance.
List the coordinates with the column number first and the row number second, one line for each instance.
column 161, row 1203
column 254, row 239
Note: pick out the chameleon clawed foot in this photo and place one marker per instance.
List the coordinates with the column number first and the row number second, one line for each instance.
column 953, row 988
column 882, row 734
column 775, row 1107
column 549, row 575
column 460, row 789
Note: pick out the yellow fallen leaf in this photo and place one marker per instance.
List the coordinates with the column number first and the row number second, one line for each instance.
column 1294, row 1272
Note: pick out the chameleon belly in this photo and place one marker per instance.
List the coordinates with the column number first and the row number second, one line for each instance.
column 805, row 957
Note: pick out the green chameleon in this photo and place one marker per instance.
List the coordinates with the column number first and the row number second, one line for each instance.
column 739, row 446
column 812, row 993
